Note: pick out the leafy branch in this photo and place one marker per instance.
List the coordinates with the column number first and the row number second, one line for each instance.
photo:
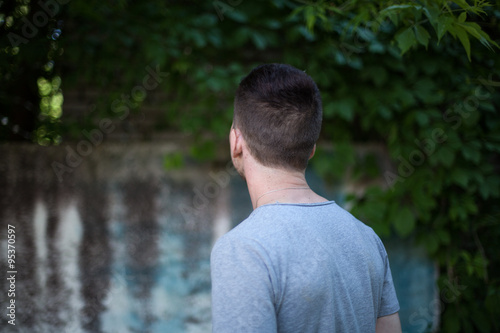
column 411, row 20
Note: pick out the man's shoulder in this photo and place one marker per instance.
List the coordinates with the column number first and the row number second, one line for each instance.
column 239, row 245
column 242, row 234
column 270, row 222
column 253, row 233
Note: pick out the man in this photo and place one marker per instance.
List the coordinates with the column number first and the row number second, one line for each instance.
column 298, row 263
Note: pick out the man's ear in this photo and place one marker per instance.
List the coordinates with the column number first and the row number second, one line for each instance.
column 235, row 142
column 313, row 151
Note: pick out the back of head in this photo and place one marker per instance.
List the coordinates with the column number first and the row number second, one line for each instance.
column 278, row 110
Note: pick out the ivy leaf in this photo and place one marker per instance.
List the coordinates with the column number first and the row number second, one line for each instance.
column 377, row 74
column 431, row 243
column 463, row 4
column 295, row 12
column 475, row 30
column 444, row 24
column 446, row 156
column 464, row 38
column 470, row 205
column 462, row 17
column 422, row 35
column 259, row 41
column 459, row 176
column 444, row 236
column 471, row 153
column 396, row 7
column 310, row 17
column 425, row 89
column 422, row 118
column 406, row 39
column 198, row 38
column 394, row 18
column 237, row 16
column 173, row 161
column 344, row 108
column 432, row 14
column 403, row 221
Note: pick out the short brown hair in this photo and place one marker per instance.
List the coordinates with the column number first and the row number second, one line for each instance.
column 278, row 110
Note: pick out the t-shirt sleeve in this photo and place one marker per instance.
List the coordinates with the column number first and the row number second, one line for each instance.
column 389, row 302
column 242, row 295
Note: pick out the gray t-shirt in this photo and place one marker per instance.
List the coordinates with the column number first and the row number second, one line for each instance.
column 300, row 268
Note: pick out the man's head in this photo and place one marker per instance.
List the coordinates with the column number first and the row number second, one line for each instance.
column 278, row 110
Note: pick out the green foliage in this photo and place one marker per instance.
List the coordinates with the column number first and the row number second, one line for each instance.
column 401, row 75
column 413, row 19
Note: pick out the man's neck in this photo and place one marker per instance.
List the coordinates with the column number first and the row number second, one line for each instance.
column 268, row 185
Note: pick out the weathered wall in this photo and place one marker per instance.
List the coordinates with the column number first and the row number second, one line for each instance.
column 104, row 245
